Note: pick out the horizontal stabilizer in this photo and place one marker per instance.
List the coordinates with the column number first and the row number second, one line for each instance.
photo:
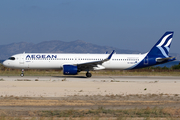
column 159, row 60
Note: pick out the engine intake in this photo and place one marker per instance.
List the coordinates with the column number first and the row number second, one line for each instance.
column 70, row 70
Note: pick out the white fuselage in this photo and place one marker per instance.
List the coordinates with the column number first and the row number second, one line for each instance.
column 56, row 61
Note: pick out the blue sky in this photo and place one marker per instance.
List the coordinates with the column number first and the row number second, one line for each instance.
column 125, row 24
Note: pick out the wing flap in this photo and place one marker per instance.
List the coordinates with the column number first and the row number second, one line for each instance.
column 94, row 65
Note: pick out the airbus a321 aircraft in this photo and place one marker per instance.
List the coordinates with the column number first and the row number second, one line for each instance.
column 71, row 64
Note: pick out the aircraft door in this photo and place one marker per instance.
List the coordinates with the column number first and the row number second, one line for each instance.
column 21, row 60
column 146, row 60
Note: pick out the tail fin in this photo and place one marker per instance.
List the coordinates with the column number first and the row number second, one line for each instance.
column 161, row 48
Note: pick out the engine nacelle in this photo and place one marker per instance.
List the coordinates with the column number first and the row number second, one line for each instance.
column 70, row 70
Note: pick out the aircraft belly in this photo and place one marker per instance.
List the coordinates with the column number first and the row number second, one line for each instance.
column 117, row 65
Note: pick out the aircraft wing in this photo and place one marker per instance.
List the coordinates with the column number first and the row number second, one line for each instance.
column 93, row 65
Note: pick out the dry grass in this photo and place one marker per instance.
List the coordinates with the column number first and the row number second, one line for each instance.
column 164, row 113
column 102, row 112
column 80, row 102
column 141, row 72
column 85, row 100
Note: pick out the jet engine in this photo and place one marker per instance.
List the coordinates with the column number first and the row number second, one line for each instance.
column 70, row 70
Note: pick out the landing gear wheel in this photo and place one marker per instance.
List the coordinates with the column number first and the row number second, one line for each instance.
column 88, row 74
column 22, row 74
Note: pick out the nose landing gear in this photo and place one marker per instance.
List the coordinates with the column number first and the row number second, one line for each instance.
column 22, row 73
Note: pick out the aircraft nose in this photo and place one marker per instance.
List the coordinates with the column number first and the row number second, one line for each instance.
column 5, row 63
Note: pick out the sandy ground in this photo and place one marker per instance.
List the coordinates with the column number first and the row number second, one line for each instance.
column 24, row 96
column 69, row 86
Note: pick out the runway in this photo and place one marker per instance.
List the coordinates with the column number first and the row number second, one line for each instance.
column 63, row 86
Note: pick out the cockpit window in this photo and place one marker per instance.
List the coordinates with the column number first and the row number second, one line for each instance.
column 12, row 58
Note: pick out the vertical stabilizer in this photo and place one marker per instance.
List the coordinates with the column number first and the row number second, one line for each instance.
column 161, row 48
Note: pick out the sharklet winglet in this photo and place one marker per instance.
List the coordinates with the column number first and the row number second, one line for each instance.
column 109, row 57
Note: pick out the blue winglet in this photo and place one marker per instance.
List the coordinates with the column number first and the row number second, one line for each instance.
column 109, row 57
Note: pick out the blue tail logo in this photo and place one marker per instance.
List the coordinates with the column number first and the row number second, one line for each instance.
column 161, row 48
column 158, row 54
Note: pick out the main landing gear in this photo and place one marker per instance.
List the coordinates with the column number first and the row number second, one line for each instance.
column 88, row 74
column 22, row 73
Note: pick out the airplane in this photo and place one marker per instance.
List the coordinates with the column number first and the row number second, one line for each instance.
column 72, row 64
